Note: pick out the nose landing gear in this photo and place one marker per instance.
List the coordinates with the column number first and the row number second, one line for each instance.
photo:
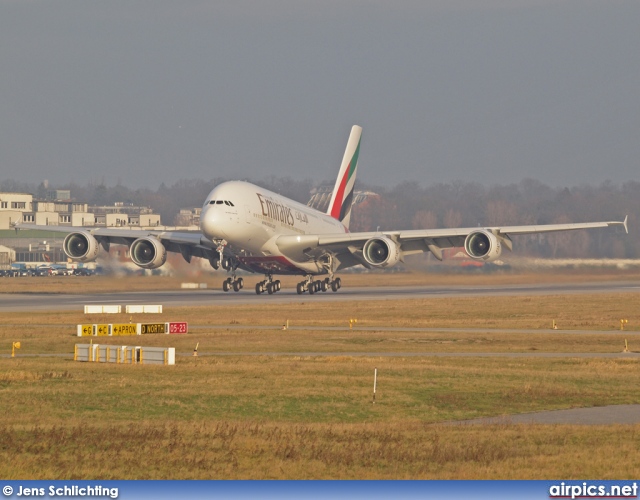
column 230, row 264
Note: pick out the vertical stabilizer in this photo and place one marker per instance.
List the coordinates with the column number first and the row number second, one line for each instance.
column 342, row 196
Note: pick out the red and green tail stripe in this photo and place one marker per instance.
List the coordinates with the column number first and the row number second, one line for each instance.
column 341, row 203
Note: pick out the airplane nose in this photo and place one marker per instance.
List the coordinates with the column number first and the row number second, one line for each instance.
column 210, row 223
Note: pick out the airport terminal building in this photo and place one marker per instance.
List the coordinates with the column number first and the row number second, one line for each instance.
column 59, row 210
column 15, row 207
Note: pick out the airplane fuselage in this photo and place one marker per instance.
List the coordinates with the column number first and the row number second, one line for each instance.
column 250, row 219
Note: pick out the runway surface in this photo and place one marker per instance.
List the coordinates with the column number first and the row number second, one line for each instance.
column 44, row 301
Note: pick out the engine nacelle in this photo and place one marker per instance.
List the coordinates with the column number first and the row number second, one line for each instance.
column 81, row 246
column 483, row 245
column 148, row 253
column 381, row 252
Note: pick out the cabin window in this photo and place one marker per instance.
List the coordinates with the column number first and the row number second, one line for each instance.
column 219, row 202
column 227, row 203
column 212, row 202
column 231, row 204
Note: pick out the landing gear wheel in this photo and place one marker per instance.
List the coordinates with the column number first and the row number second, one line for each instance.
column 323, row 285
column 270, row 288
column 226, row 286
column 236, row 286
column 312, row 288
column 300, row 288
column 277, row 285
column 258, row 288
column 240, row 283
column 339, row 283
column 334, row 286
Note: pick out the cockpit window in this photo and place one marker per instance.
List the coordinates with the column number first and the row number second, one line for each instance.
column 221, row 202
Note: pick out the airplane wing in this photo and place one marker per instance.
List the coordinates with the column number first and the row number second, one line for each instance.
column 188, row 243
column 348, row 249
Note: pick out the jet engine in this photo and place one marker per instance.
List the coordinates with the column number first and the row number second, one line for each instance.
column 81, row 246
column 381, row 252
column 148, row 253
column 483, row 245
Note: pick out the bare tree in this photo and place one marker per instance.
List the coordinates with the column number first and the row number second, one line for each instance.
column 424, row 219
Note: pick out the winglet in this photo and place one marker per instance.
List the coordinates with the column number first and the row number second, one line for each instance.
column 623, row 224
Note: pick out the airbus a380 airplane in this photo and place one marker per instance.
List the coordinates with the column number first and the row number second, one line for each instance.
column 244, row 226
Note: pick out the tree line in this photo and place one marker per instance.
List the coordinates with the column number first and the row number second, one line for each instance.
column 409, row 205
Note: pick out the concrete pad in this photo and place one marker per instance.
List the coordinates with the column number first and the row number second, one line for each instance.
column 600, row 415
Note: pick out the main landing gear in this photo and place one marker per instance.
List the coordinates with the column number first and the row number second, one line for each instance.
column 268, row 285
column 232, row 283
column 311, row 286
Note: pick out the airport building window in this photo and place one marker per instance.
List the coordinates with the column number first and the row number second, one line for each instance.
column 18, row 204
column 4, row 204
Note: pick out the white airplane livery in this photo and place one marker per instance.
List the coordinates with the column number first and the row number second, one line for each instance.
column 243, row 226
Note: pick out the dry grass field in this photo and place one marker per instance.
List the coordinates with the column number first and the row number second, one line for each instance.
column 263, row 403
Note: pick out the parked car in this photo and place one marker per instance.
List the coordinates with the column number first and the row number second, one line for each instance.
column 20, row 269
column 83, row 271
column 60, row 270
column 21, row 272
column 44, row 271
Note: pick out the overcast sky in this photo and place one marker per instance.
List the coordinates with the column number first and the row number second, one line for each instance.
column 151, row 91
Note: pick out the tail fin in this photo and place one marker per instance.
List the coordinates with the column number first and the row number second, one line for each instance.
column 340, row 204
